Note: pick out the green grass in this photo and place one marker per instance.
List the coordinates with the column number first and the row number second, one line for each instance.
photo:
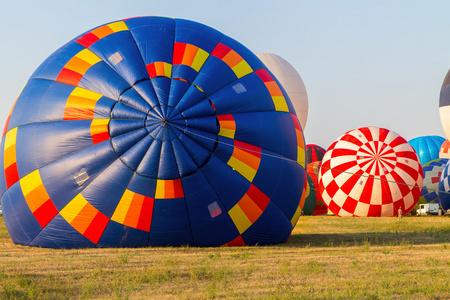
column 325, row 258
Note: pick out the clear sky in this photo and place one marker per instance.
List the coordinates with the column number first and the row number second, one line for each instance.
column 364, row 63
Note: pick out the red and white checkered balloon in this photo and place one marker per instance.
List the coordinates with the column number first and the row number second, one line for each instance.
column 370, row 172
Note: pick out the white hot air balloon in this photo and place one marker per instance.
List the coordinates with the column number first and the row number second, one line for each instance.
column 291, row 81
column 444, row 105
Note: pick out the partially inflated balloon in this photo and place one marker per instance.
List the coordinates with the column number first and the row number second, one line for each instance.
column 427, row 147
column 314, row 153
column 291, row 81
column 313, row 170
column 152, row 131
column 444, row 187
column 431, row 175
column 310, row 200
column 370, row 172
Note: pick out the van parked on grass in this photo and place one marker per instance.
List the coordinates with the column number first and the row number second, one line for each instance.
column 428, row 209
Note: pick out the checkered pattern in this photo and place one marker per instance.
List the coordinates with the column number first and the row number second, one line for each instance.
column 370, row 172
column 432, row 171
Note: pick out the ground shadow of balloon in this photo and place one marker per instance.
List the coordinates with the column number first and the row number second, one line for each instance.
column 438, row 236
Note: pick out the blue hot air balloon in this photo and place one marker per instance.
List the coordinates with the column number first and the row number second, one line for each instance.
column 152, row 131
column 427, row 147
column 444, row 187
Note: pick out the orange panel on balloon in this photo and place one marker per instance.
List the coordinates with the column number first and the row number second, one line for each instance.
column 75, row 68
column 37, row 198
column 100, row 32
column 85, row 218
column 169, row 189
column 9, row 158
column 249, row 208
column 99, row 130
column 134, row 210
column 301, row 153
column 227, row 126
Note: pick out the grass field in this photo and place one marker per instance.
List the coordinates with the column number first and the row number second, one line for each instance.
column 326, row 258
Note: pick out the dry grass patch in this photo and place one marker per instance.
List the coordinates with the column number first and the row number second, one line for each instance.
column 325, row 258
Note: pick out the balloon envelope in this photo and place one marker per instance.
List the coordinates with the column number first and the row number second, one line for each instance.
column 291, row 82
column 427, row 147
column 310, row 200
column 432, row 171
column 313, row 170
column 314, row 153
column 444, row 105
column 444, row 187
column 370, row 172
column 444, row 151
column 152, row 131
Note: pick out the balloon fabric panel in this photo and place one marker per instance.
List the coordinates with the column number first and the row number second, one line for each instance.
column 152, row 131
column 20, row 218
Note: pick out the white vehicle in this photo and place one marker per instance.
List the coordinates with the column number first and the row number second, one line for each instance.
column 428, row 209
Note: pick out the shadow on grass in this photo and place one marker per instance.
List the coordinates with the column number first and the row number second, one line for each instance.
column 374, row 238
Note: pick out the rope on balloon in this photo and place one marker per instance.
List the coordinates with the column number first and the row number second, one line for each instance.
column 292, row 160
column 386, row 180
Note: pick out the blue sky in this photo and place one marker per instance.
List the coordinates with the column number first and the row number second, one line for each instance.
column 364, row 63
